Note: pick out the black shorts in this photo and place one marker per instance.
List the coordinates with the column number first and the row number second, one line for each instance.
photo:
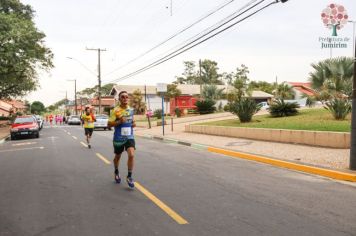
column 88, row 131
column 120, row 147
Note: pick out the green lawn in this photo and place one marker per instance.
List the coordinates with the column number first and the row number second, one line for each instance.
column 311, row 119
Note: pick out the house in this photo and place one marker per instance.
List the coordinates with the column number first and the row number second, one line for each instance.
column 190, row 94
column 18, row 106
column 107, row 103
column 5, row 108
column 150, row 97
column 301, row 91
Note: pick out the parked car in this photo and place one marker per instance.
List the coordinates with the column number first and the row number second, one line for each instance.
column 39, row 121
column 101, row 122
column 264, row 105
column 74, row 120
column 24, row 126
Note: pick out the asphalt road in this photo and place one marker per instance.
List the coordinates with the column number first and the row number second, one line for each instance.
column 54, row 185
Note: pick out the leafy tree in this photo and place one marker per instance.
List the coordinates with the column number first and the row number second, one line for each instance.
column 173, row 91
column 37, row 107
column 209, row 73
column 240, row 83
column 22, row 50
column 189, row 76
column 51, row 108
column 94, row 91
column 136, row 102
column 262, row 86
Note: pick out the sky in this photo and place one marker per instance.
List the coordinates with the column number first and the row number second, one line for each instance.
column 280, row 42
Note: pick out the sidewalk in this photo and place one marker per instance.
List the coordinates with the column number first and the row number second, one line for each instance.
column 314, row 156
column 4, row 132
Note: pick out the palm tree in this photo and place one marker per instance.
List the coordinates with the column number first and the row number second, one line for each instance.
column 333, row 77
column 284, row 91
column 212, row 92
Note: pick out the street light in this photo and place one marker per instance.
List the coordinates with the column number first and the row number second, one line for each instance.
column 72, row 58
column 75, row 94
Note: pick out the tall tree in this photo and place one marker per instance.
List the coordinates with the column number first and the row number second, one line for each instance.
column 94, row 91
column 22, row 50
column 209, row 74
column 262, row 86
column 241, row 83
column 189, row 76
column 137, row 103
column 37, row 107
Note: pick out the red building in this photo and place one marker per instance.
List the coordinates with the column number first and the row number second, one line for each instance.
column 183, row 102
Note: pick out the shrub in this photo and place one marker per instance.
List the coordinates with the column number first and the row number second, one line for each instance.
column 205, row 106
column 158, row 113
column 5, row 118
column 227, row 107
column 339, row 107
column 244, row 108
column 178, row 112
column 279, row 108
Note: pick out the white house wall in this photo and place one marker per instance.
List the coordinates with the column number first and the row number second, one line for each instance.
column 154, row 102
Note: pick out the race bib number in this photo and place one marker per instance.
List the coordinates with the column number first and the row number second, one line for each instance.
column 126, row 131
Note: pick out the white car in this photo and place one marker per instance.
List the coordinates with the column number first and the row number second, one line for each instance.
column 74, row 120
column 264, row 105
column 39, row 121
column 101, row 122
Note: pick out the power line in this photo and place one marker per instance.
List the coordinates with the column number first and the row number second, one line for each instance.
column 226, row 20
column 174, row 35
column 183, row 49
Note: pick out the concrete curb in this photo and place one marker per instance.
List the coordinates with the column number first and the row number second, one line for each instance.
column 333, row 174
column 2, row 140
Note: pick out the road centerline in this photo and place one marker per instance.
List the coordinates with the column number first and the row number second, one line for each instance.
column 103, row 158
column 180, row 220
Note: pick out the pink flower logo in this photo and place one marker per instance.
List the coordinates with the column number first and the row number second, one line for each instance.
column 334, row 16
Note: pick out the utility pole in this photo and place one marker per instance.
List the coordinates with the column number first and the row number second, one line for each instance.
column 201, row 82
column 353, row 118
column 99, row 74
column 75, row 94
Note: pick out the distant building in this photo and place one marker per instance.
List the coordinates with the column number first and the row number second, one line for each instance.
column 190, row 94
column 301, row 91
column 107, row 102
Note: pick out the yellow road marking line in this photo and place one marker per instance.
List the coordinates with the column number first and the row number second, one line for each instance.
column 84, row 144
column 103, row 158
column 180, row 220
column 74, row 137
column 22, row 144
column 289, row 165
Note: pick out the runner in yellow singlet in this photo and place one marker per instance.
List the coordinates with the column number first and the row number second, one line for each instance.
column 88, row 118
